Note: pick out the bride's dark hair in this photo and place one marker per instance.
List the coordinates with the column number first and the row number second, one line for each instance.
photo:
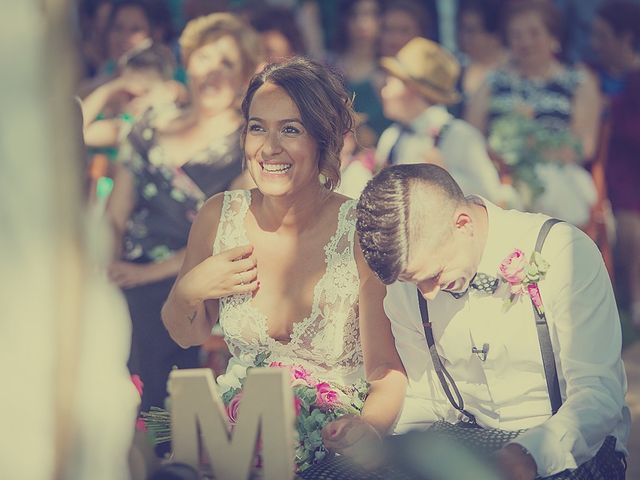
column 323, row 102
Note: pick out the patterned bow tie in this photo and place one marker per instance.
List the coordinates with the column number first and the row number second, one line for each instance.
column 482, row 283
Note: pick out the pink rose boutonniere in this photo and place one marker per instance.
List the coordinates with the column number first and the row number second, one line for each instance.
column 523, row 276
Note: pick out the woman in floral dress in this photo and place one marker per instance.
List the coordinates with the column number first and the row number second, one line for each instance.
column 165, row 173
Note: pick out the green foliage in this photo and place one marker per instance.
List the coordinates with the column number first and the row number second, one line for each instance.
column 523, row 143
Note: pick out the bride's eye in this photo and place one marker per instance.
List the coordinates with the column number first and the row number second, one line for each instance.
column 254, row 127
column 291, row 130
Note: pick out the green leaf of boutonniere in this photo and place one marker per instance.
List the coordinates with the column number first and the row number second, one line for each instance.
column 541, row 263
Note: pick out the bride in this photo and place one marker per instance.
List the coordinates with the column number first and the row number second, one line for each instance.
column 279, row 266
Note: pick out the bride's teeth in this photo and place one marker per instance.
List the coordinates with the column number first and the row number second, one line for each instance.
column 276, row 167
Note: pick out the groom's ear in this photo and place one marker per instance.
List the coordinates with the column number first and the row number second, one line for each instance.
column 463, row 221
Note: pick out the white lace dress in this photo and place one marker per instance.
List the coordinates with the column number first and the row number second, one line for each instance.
column 327, row 342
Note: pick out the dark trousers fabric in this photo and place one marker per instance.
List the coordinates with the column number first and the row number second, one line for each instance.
column 153, row 352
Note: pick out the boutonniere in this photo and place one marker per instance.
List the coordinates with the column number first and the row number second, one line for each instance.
column 523, row 276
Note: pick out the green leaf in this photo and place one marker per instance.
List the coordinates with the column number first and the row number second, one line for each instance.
column 540, row 262
column 261, row 359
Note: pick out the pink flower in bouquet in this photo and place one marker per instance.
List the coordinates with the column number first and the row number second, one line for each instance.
column 233, row 407
column 297, row 405
column 326, row 396
column 299, row 373
column 299, row 376
column 513, row 268
column 137, row 381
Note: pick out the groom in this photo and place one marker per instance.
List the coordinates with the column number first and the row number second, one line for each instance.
column 470, row 260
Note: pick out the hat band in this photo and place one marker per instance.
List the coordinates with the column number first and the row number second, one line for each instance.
column 428, row 83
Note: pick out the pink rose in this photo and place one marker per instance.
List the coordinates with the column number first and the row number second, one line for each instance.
column 137, row 381
column 299, row 373
column 233, row 407
column 513, row 267
column 297, row 405
column 534, row 293
column 299, row 376
column 326, row 396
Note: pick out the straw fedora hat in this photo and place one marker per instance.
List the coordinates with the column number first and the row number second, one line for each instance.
column 431, row 69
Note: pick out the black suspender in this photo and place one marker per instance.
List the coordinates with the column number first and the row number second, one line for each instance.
column 442, row 373
column 546, row 348
column 544, row 338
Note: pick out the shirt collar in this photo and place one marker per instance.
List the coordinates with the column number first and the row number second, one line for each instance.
column 495, row 247
column 433, row 118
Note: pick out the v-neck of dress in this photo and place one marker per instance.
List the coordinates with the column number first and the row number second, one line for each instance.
column 329, row 249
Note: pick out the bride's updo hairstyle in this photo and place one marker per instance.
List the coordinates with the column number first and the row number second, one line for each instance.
column 324, row 105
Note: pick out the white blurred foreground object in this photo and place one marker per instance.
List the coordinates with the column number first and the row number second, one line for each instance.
column 197, row 411
column 67, row 407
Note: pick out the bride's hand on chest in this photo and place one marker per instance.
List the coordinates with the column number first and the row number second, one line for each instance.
column 231, row 272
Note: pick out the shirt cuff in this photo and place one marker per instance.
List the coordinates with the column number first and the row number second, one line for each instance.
column 546, row 450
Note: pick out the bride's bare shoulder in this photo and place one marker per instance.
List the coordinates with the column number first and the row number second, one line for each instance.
column 337, row 200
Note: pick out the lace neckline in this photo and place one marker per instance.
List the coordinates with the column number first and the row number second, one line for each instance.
column 329, row 250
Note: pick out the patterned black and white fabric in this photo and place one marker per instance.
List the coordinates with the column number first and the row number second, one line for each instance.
column 482, row 283
column 606, row 465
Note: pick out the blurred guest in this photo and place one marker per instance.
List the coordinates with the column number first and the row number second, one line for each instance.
column 420, row 83
column 562, row 100
column 356, row 45
column 94, row 17
column 480, row 40
column 278, row 31
column 145, row 81
column 403, row 20
column 165, row 174
column 130, row 25
column 616, row 33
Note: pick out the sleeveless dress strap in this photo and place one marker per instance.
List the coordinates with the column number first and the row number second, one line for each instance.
column 231, row 232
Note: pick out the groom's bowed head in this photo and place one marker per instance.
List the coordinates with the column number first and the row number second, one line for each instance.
column 415, row 225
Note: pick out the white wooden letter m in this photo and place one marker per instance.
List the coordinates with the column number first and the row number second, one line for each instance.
column 197, row 412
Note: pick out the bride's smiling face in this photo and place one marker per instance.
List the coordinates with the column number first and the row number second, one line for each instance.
column 282, row 156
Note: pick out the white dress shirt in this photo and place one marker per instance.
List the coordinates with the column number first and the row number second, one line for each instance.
column 508, row 390
column 463, row 150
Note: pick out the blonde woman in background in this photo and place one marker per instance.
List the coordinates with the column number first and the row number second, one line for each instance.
column 165, row 173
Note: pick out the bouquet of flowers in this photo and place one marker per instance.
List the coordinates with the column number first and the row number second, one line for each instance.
column 316, row 404
column 522, row 142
